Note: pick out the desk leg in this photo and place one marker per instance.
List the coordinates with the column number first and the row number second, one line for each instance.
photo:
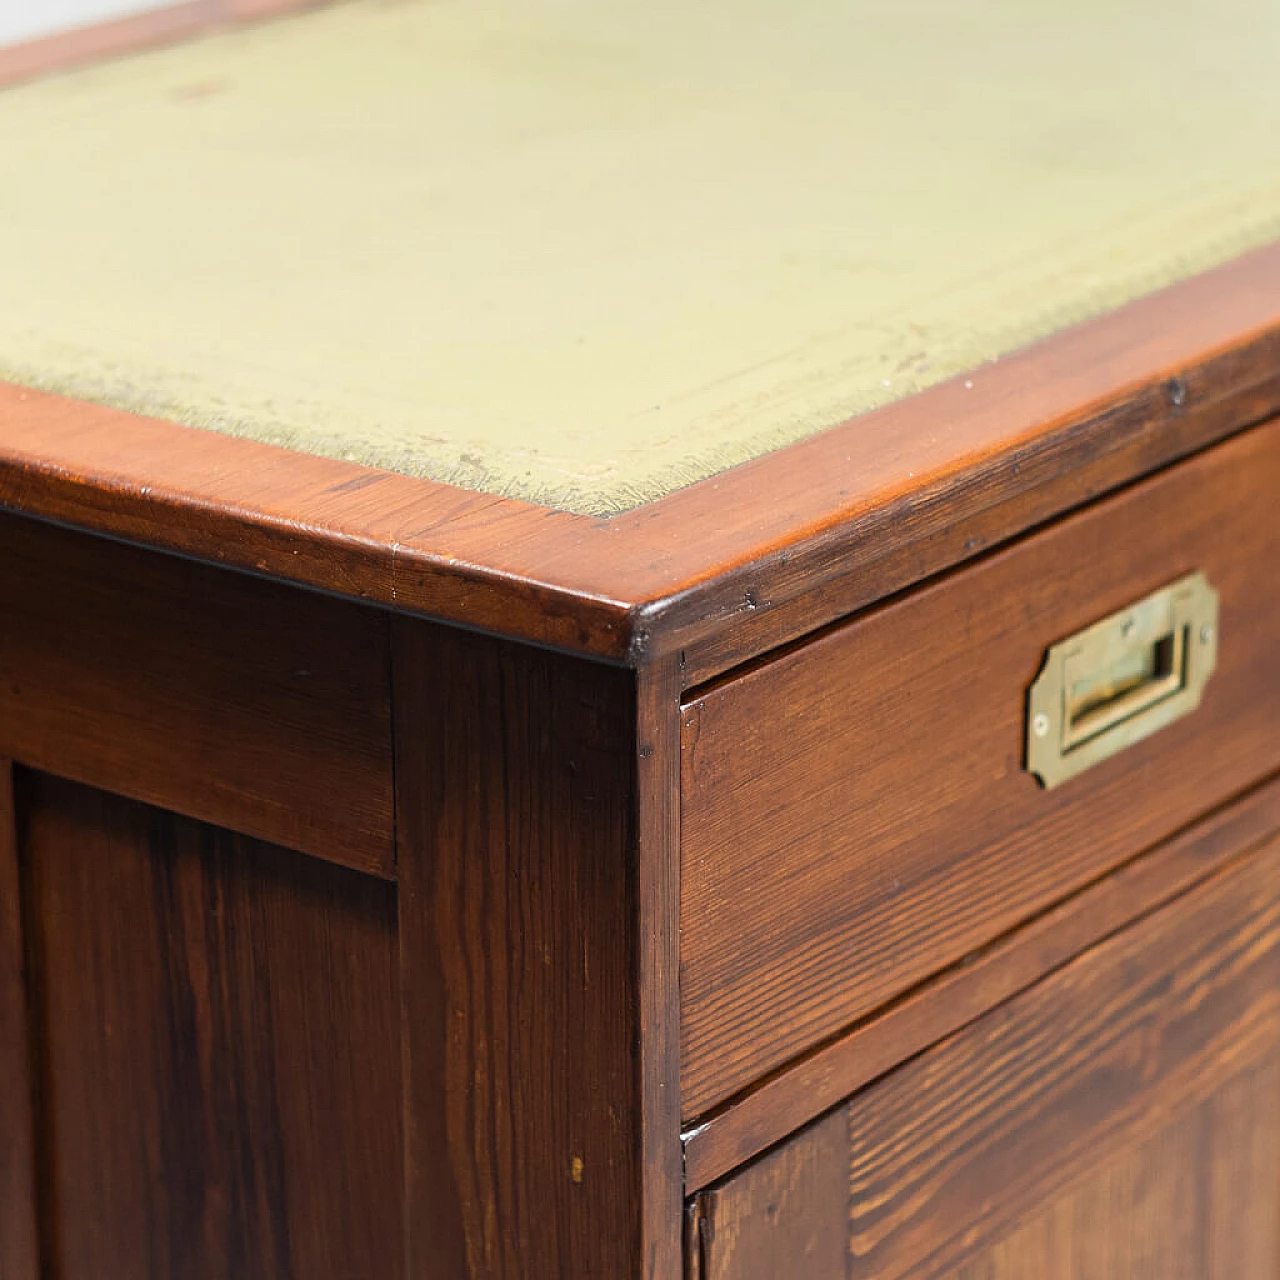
column 529, row 1072
column 19, row 1237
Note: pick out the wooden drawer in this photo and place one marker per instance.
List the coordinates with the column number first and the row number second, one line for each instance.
column 856, row 815
column 249, row 705
column 1121, row 1118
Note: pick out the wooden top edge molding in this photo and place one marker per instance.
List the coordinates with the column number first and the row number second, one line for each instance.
column 1159, row 377
column 62, row 50
column 164, row 24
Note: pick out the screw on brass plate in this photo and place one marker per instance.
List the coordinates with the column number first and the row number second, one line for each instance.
column 1128, row 629
column 1206, row 633
column 1040, row 725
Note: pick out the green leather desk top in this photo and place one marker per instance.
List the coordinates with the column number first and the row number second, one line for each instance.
column 585, row 253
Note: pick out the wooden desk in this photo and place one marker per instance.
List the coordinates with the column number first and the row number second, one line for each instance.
column 532, row 542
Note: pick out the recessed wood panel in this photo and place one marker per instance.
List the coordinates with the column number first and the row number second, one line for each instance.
column 1120, row 1118
column 218, row 1048
column 856, row 816
column 246, row 704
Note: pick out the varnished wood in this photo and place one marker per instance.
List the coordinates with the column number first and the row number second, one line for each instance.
column 1090, row 409
column 250, row 705
column 784, row 1102
column 541, row 1127
column 19, row 1240
column 785, row 1216
column 657, row 891
column 1160, row 1045
column 784, row 595
column 1189, row 1203
column 856, row 816
column 220, row 1048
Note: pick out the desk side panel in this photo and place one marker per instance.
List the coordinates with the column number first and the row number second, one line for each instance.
column 216, row 1022
column 244, row 703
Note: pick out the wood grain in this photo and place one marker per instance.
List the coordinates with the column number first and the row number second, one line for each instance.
column 657, row 893
column 541, row 1128
column 1152, row 1212
column 253, row 706
column 785, row 1102
column 221, row 1058
column 854, row 822
column 733, row 565
column 787, row 1215
column 1108, row 1098
column 19, row 1236
column 947, row 522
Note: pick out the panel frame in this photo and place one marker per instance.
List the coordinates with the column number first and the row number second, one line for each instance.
column 247, row 704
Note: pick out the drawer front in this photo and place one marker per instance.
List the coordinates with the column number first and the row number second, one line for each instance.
column 249, row 705
column 1120, row 1118
column 856, row 814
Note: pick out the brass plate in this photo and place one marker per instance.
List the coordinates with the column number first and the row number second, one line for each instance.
column 1116, row 682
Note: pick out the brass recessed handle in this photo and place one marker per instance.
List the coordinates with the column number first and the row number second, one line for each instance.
column 1121, row 679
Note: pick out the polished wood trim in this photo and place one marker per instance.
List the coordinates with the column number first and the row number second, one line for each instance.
column 725, row 568
column 937, row 1008
column 62, row 50
column 19, row 1233
column 1140, row 437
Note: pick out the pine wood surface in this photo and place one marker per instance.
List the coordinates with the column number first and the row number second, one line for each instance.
column 1118, row 1118
column 781, row 1103
column 218, row 1048
column 245, row 703
column 541, row 1079
column 855, row 813
column 414, row 963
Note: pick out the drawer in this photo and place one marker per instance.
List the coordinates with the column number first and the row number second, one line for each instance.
column 1119, row 1118
column 856, row 814
column 252, row 706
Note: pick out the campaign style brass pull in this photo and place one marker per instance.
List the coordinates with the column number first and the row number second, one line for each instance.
column 1112, row 684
